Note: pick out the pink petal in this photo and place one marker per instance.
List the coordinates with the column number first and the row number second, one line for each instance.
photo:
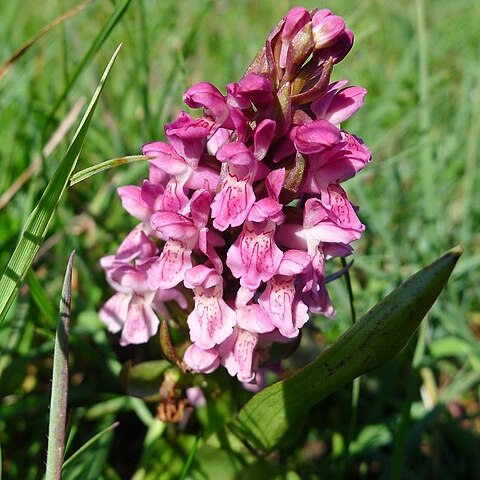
column 263, row 137
column 277, row 300
column 343, row 44
column 327, row 28
column 133, row 203
column 203, row 174
column 315, row 294
column 254, row 257
column 237, row 154
column 219, row 138
column 254, row 319
column 232, row 203
column 337, row 200
column 237, row 355
column 136, row 244
column 200, row 207
column 201, row 360
column 141, row 324
column 266, row 209
column 206, row 95
column 188, row 136
column 257, row 88
column 131, row 279
column 274, row 182
column 244, row 295
column 337, row 164
column 169, row 270
column 174, row 198
column 202, row 276
column 166, row 158
column 114, row 312
column 166, row 295
column 174, row 226
column 195, row 397
column 211, row 321
column 294, row 262
column 338, row 223
column 315, row 136
column 344, row 104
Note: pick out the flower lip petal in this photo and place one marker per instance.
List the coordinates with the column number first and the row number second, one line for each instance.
column 203, row 276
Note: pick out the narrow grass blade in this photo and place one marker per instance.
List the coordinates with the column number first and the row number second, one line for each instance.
column 114, row 162
column 94, row 48
column 41, row 299
column 88, row 444
column 39, row 220
column 371, row 342
column 427, row 167
column 31, row 41
column 58, row 403
column 191, row 456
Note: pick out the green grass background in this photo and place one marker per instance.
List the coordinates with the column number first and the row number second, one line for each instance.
column 419, row 60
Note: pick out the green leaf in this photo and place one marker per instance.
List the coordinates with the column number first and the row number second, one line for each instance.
column 39, row 220
column 58, row 403
column 144, row 379
column 371, row 342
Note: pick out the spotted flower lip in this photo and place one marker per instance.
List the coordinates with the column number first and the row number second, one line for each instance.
column 243, row 205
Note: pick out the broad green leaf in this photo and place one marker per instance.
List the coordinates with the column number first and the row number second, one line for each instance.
column 371, row 342
column 39, row 220
column 100, row 167
column 58, row 403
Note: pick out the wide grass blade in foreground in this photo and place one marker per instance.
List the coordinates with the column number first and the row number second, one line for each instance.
column 58, row 403
column 39, row 220
column 371, row 342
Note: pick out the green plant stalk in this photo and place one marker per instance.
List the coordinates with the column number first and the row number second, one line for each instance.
column 106, row 165
column 413, row 385
column 58, row 403
column 372, row 341
column 356, row 383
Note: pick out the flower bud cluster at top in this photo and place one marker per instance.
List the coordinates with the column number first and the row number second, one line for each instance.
column 243, row 205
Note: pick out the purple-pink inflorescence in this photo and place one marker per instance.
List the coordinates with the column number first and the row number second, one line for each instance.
column 243, row 205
